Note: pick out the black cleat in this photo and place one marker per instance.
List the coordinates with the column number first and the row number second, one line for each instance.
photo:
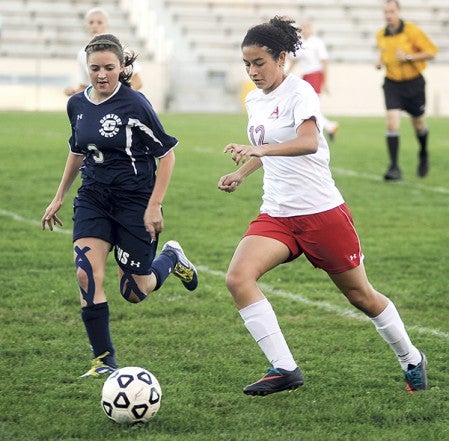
column 416, row 376
column 393, row 174
column 276, row 380
column 423, row 166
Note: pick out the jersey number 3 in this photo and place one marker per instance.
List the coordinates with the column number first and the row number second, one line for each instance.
column 96, row 154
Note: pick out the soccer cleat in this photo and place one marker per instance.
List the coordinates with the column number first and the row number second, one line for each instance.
column 184, row 269
column 416, row 376
column 423, row 166
column 276, row 380
column 99, row 367
column 393, row 174
column 333, row 131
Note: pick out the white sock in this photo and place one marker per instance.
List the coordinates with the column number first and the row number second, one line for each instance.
column 328, row 125
column 261, row 322
column 390, row 326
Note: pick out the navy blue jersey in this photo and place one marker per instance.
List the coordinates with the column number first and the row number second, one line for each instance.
column 120, row 139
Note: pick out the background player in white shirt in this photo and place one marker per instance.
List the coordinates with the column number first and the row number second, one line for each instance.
column 312, row 64
column 97, row 22
column 302, row 211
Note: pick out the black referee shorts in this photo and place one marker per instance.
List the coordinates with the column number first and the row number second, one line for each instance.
column 409, row 95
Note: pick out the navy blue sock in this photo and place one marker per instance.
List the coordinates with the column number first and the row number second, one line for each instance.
column 96, row 322
column 162, row 267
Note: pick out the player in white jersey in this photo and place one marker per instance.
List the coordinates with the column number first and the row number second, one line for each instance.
column 283, row 175
column 97, row 22
column 313, row 61
column 302, row 211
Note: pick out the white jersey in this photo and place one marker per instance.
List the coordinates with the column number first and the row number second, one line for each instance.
column 83, row 73
column 292, row 185
column 311, row 55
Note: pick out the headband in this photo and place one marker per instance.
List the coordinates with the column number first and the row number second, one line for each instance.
column 103, row 42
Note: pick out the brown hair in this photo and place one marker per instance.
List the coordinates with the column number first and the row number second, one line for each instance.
column 109, row 42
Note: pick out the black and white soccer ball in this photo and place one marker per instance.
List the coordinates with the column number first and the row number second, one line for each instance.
column 131, row 395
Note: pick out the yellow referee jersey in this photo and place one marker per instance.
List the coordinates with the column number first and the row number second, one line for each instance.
column 409, row 39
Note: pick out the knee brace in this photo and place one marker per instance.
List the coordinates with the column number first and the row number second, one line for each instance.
column 129, row 289
column 82, row 263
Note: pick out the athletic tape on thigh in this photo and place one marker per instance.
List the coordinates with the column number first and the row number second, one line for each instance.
column 82, row 262
column 129, row 286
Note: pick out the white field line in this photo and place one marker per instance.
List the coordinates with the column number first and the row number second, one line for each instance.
column 328, row 307
column 350, row 313
column 378, row 178
column 19, row 218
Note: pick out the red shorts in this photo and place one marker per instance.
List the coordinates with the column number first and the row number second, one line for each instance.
column 315, row 79
column 328, row 239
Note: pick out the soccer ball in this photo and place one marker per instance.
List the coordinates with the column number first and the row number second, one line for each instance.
column 131, row 395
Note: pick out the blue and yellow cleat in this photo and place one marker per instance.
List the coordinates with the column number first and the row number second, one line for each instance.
column 184, row 269
column 100, row 368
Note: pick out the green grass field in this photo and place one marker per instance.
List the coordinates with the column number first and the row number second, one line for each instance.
column 195, row 343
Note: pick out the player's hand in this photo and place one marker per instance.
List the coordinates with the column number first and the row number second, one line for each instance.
column 49, row 219
column 241, row 153
column 402, row 56
column 230, row 182
column 153, row 220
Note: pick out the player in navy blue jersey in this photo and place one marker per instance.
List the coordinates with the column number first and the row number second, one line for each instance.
column 118, row 143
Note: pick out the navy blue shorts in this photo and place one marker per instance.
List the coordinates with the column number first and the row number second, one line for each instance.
column 409, row 96
column 117, row 218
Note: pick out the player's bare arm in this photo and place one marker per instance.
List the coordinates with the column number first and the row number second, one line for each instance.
column 305, row 143
column 153, row 219
column 50, row 219
column 415, row 56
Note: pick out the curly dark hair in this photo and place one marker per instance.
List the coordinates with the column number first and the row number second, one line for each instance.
column 277, row 35
column 109, row 42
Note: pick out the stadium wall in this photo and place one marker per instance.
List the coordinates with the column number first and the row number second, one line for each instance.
column 38, row 84
column 355, row 89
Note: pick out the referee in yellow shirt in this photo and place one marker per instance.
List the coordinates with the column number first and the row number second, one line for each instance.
column 404, row 50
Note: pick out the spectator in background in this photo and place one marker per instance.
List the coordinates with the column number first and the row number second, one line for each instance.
column 404, row 49
column 97, row 22
column 313, row 61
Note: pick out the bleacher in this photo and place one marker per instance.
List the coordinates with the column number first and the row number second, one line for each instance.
column 214, row 29
column 49, row 29
column 203, row 37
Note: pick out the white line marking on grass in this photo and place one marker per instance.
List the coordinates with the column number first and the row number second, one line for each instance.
column 329, row 307
column 19, row 218
column 370, row 177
